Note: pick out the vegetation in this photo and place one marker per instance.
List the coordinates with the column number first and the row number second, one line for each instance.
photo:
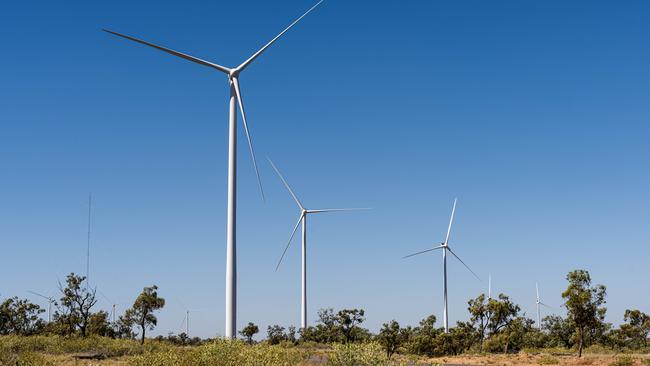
column 142, row 312
column 494, row 326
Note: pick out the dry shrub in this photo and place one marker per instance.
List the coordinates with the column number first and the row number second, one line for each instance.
column 548, row 360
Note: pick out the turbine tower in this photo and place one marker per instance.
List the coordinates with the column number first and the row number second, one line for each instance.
column 50, row 300
column 489, row 286
column 538, row 302
column 303, row 219
column 445, row 247
column 234, row 100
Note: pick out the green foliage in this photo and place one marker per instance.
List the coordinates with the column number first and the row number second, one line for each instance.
column 275, row 334
column 74, row 308
column 624, row 360
column 560, row 331
column 98, row 324
column 340, row 327
column 548, row 360
column 421, row 338
column 142, row 311
column 20, row 317
column 391, row 337
column 490, row 316
column 55, row 344
column 367, row 354
column 636, row 328
column 584, row 305
column 348, row 322
column 223, row 353
column 249, row 331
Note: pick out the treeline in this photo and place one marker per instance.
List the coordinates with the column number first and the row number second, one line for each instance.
column 74, row 314
column 494, row 325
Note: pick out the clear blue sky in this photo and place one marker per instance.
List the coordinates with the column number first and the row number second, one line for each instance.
column 534, row 114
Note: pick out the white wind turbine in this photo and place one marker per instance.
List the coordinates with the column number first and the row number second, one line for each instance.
column 50, row 301
column 489, row 286
column 538, row 302
column 235, row 98
column 303, row 219
column 445, row 247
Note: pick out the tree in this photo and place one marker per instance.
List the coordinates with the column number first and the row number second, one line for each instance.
column 124, row 328
column 20, row 317
column 560, row 331
column 391, row 337
column 98, row 324
column 275, row 334
column 326, row 329
column 74, row 308
column 491, row 315
column 142, row 311
column 249, row 331
column 348, row 321
column 636, row 328
column 422, row 337
column 584, row 305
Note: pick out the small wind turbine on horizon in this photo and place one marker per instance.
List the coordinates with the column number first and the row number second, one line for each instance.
column 445, row 247
column 113, row 305
column 235, row 99
column 50, row 301
column 538, row 302
column 489, row 286
column 302, row 218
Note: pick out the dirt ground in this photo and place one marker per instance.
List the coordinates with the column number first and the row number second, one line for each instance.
column 540, row 359
column 496, row 360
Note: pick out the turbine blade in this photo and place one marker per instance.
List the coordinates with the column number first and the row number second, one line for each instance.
column 537, row 290
column 175, row 53
column 37, row 294
column 302, row 215
column 336, row 209
column 461, row 261
column 284, row 181
column 235, row 82
column 256, row 54
column 451, row 220
column 548, row 306
column 422, row 252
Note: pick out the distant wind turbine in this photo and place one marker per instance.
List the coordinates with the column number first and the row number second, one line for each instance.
column 538, row 302
column 50, row 301
column 445, row 247
column 235, row 99
column 113, row 305
column 302, row 218
column 489, row 286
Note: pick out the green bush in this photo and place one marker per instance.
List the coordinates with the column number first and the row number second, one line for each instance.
column 548, row 360
column 624, row 360
column 369, row 354
column 223, row 353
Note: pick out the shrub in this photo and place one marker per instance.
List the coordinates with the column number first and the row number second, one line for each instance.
column 624, row 360
column 548, row 360
column 223, row 353
column 369, row 354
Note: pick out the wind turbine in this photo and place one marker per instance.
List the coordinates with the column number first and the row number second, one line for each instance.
column 538, row 303
column 303, row 219
column 235, row 99
column 489, row 286
column 113, row 305
column 50, row 300
column 445, row 247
